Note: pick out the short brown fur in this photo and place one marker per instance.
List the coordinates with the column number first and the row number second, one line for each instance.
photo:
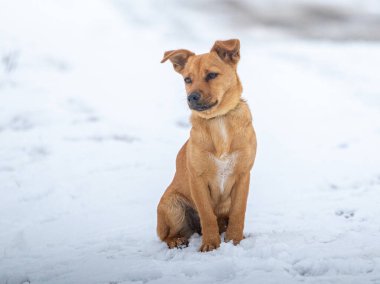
column 209, row 191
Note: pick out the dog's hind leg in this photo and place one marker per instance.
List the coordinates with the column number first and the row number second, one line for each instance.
column 162, row 227
column 172, row 224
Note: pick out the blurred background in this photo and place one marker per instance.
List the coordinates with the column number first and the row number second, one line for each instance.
column 91, row 122
column 339, row 20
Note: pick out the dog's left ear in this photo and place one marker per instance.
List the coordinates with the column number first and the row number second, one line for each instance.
column 228, row 50
column 178, row 58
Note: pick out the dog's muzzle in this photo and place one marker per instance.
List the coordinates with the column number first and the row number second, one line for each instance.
column 194, row 101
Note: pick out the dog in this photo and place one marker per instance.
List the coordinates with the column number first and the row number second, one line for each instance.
column 208, row 194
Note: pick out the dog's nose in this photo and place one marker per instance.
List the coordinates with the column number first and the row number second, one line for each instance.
column 193, row 97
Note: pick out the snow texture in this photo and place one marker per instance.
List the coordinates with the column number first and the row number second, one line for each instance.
column 91, row 122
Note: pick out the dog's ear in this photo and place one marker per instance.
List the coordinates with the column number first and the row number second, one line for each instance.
column 228, row 50
column 178, row 57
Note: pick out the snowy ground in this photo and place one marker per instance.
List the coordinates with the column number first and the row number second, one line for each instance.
column 90, row 124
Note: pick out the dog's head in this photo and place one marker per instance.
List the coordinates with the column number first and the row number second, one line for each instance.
column 212, row 84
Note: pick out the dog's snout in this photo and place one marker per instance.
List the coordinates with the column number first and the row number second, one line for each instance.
column 193, row 97
column 196, row 101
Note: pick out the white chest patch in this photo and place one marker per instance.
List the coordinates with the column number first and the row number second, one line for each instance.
column 225, row 166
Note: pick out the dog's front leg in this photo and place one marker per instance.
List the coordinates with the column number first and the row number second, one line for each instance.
column 239, row 197
column 202, row 199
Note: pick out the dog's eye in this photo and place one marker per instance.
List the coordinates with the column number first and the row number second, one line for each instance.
column 211, row 76
column 188, row 80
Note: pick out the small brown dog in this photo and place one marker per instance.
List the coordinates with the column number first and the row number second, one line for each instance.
column 208, row 194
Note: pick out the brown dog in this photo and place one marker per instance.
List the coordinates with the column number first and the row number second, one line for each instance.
column 209, row 191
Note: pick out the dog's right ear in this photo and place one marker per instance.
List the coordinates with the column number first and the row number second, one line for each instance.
column 178, row 57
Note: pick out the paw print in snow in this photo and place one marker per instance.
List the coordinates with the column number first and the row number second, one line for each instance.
column 346, row 213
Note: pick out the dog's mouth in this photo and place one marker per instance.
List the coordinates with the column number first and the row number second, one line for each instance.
column 203, row 107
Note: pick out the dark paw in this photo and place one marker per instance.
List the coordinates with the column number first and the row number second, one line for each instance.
column 177, row 242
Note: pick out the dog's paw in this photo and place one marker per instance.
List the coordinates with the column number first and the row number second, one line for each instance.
column 234, row 237
column 210, row 244
column 177, row 242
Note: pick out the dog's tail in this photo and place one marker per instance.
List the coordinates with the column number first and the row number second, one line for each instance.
column 162, row 228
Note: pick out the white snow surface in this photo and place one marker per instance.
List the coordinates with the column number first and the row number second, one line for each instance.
column 91, row 122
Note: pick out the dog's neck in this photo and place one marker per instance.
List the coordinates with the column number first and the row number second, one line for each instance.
column 221, row 129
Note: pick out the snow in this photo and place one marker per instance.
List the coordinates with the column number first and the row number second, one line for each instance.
column 91, row 122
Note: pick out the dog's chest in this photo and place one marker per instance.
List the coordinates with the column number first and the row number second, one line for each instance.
column 224, row 168
column 223, row 160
